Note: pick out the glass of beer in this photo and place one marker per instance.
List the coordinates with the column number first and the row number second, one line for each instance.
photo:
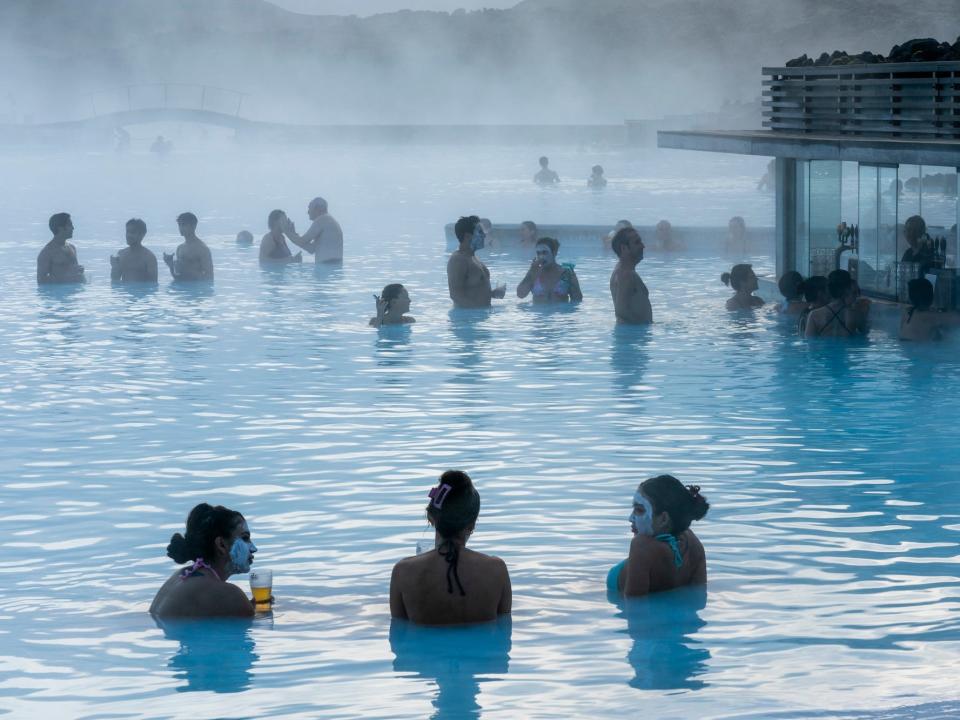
column 261, row 583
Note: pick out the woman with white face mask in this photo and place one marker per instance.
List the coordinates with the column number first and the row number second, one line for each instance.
column 216, row 545
column 664, row 553
column 548, row 280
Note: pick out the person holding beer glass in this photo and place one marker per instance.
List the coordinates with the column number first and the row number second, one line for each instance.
column 217, row 545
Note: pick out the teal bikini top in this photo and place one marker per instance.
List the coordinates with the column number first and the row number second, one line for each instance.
column 671, row 540
column 613, row 577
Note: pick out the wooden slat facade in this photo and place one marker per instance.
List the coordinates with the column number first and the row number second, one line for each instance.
column 896, row 100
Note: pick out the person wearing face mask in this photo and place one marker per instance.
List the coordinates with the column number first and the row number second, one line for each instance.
column 548, row 281
column 216, row 545
column 664, row 552
column 468, row 279
column 392, row 303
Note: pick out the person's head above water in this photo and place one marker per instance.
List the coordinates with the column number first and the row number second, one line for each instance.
column 840, row 285
column 454, row 506
column 396, row 297
column 61, row 225
column 544, row 161
column 244, row 237
column 465, row 227
column 546, row 251
column 663, row 504
column 187, row 223
column 316, row 208
column 920, row 291
column 913, row 229
column 218, row 536
column 597, row 170
column 741, row 278
column 528, row 231
column 791, row 285
column 486, row 225
column 275, row 219
column 136, row 229
column 627, row 244
column 815, row 289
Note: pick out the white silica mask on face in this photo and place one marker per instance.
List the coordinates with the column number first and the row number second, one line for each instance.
column 240, row 553
column 644, row 521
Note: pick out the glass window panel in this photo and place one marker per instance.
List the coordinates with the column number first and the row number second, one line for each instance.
column 849, row 200
column 824, row 215
column 887, row 256
column 868, row 204
column 908, row 202
column 938, row 205
column 802, row 258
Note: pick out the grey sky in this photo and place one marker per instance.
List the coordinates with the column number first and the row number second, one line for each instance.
column 372, row 7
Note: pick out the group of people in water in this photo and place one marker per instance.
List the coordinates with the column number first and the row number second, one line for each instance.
column 547, row 177
column 448, row 584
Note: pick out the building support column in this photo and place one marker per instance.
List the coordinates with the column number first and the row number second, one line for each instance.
column 786, row 214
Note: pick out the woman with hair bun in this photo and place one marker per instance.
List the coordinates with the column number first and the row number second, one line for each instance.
column 791, row 286
column 664, row 553
column 450, row 584
column 743, row 280
column 217, row 545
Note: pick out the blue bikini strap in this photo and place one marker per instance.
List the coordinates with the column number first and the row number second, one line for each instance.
column 672, row 542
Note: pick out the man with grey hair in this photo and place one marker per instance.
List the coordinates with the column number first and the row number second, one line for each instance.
column 323, row 239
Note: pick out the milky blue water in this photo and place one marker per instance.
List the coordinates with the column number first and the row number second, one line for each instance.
column 832, row 542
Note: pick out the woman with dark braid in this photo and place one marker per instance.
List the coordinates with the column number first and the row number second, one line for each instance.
column 216, row 545
column 664, row 553
column 450, row 584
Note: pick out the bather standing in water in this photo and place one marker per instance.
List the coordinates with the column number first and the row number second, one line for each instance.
column 529, row 234
column 323, row 239
column 392, row 303
column 273, row 245
column 846, row 313
column 468, row 279
column 217, row 545
column 919, row 322
column 816, row 295
column 192, row 260
column 57, row 262
column 549, row 281
column 134, row 263
column 743, row 280
column 449, row 584
column 631, row 299
column 664, row 552
column 791, row 286
column 596, row 180
column 546, row 176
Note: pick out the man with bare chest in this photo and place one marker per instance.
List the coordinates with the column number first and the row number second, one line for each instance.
column 631, row 299
column 134, row 263
column 57, row 262
column 192, row 260
column 468, row 279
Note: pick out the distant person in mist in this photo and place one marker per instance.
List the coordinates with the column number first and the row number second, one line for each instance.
column 596, row 180
column 631, row 299
column 161, row 146
column 192, row 260
column 468, row 279
column 323, row 239
column 57, row 262
column 546, row 176
column 273, row 246
column 134, row 263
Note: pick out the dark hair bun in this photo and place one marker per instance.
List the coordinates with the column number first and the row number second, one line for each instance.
column 459, row 507
column 456, row 479
column 700, row 505
column 725, row 278
column 178, row 549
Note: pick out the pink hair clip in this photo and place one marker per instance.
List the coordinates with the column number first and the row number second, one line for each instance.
column 439, row 494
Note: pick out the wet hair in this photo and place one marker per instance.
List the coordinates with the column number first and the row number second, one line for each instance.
column 597, row 169
column 391, row 292
column 138, row 224
column 791, row 285
column 319, row 202
column 738, row 275
column 465, row 225
column 838, row 283
column 551, row 243
column 205, row 524
column 914, row 227
column 920, row 291
column 683, row 504
column 622, row 237
column 57, row 221
column 273, row 217
column 245, row 237
column 458, row 509
column 621, row 224
column 544, row 160
column 530, row 225
column 187, row 218
column 813, row 287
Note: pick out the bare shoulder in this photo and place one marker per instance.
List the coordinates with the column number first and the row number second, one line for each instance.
column 493, row 562
column 456, row 259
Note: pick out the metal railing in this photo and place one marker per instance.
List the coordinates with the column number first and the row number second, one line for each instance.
column 899, row 100
column 167, row 96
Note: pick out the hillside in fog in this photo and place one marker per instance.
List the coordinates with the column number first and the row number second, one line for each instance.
column 542, row 61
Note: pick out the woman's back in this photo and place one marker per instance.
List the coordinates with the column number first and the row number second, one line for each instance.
column 426, row 590
column 656, row 562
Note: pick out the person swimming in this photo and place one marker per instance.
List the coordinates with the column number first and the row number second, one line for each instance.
column 450, row 584
column 547, row 280
column 845, row 315
column 791, row 286
column 392, row 303
column 217, row 545
column 816, row 295
column 273, row 245
column 664, row 553
column 744, row 283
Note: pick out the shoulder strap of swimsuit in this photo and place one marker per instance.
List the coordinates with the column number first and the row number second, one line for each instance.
column 671, row 540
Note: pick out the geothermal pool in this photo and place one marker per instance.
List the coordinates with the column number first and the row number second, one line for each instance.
column 832, row 542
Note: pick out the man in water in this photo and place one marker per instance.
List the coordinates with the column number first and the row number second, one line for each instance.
column 57, row 262
column 546, row 176
column 134, row 263
column 323, row 239
column 467, row 278
column 192, row 260
column 631, row 299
